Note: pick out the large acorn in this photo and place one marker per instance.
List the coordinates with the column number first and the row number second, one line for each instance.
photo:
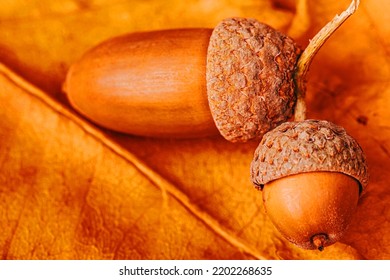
column 236, row 79
column 312, row 174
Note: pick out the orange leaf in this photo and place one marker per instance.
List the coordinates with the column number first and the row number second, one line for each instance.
column 349, row 85
column 68, row 192
column 71, row 190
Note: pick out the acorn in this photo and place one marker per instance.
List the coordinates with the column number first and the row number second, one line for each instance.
column 236, row 79
column 312, row 174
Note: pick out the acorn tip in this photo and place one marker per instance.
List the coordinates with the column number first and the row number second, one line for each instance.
column 319, row 241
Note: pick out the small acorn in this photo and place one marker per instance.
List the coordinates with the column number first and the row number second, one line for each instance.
column 312, row 174
column 236, row 79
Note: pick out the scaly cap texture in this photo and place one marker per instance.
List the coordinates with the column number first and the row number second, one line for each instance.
column 307, row 146
column 250, row 87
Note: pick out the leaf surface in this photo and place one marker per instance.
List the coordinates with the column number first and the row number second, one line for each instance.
column 70, row 190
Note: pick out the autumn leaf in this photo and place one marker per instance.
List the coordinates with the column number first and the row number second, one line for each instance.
column 350, row 85
column 71, row 190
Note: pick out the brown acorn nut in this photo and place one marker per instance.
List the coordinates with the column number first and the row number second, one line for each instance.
column 236, row 80
column 312, row 174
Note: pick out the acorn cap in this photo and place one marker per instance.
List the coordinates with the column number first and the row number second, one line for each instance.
column 307, row 146
column 249, row 72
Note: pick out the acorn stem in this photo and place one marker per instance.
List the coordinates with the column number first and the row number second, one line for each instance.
column 319, row 240
column 309, row 53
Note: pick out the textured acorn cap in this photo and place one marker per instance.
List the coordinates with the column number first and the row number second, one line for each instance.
column 249, row 72
column 307, row 146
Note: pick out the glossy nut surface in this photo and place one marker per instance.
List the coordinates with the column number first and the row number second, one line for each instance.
column 312, row 204
column 149, row 84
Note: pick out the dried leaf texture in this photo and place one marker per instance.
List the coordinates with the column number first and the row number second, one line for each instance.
column 69, row 190
column 99, row 203
column 349, row 85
